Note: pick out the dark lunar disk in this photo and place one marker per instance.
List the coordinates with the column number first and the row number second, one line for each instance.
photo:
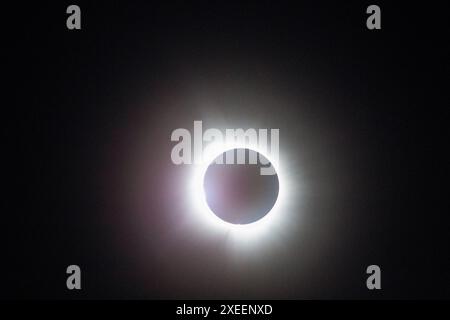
column 239, row 193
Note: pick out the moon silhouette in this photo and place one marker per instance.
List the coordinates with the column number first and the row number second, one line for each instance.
column 239, row 193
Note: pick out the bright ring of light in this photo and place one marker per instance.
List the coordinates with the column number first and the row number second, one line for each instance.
column 203, row 212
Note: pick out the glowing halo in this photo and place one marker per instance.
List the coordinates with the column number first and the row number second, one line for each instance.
column 205, row 215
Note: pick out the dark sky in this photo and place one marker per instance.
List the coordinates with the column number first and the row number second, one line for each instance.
column 87, row 121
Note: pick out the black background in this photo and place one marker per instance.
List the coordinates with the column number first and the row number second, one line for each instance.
column 67, row 91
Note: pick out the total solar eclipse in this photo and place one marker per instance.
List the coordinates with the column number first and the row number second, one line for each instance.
column 238, row 193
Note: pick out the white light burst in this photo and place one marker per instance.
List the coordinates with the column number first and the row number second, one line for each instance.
column 204, row 214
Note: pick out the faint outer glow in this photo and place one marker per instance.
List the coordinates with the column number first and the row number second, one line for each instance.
column 203, row 213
